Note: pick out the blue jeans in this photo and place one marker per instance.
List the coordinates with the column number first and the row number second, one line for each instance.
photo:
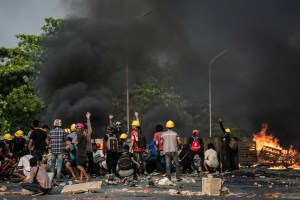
column 174, row 157
column 57, row 158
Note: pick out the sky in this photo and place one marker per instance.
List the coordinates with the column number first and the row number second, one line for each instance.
column 25, row 16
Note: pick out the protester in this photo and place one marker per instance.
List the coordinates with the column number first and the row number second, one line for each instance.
column 184, row 159
column 46, row 159
column 88, row 133
column 138, row 145
column 81, row 153
column 7, row 167
column 210, row 158
column 151, row 160
column 73, row 133
column 23, row 169
column 38, row 140
column 18, row 143
column 57, row 138
column 110, row 147
column 229, row 149
column 196, row 147
column 71, row 159
column 127, row 166
column 5, row 147
column 171, row 140
column 159, row 146
column 39, row 182
column 118, row 129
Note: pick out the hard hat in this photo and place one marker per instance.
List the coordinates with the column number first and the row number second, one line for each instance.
column 101, row 147
column 196, row 131
column 67, row 130
column 79, row 126
column 7, row 136
column 170, row 124
column 118, row 124
column 19, row 133
column 123, row 136
column 135, row 123
column 109, row 128
column 57, row 122
column 73, row 127
column 227, row 130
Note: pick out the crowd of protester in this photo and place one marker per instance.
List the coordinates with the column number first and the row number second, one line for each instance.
column 71, row 152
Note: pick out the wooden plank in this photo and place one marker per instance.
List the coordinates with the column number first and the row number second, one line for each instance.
column 82, row 187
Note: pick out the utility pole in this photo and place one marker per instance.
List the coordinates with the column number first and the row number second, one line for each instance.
column 209, row 87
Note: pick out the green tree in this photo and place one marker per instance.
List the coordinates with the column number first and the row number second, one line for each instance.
column 19, row 67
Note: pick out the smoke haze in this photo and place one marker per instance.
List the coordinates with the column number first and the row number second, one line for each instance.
column 255, row 81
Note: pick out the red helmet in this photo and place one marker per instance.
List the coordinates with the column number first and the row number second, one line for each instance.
column 80, row 126
column 196, row 131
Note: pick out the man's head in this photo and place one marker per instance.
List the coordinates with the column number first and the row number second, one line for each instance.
column 170, row 124
column 195, row 132
column 33, row 162
column 159, row 128
column 45, row 128
column 79, row 128
column 95, row 147
column 135, row 124
column 210, row 146
column 118, row 126
column 68, row 141
column 7, row 137
column 35, row 123
column 57, row 123
column 109, row 129
column 19, row 133
column 227, row 131
column 25, row 151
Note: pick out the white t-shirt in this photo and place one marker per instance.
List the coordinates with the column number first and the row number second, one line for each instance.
column 97, row 156
column 211, row 158
column 24, row 162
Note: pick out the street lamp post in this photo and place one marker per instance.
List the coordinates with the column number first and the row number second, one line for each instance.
column 209, row 86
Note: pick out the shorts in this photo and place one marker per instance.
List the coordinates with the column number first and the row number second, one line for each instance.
column 73, row 162
column 81, row 160
column 38, row 154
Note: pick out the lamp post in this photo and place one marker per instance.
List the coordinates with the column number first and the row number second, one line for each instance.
column 209, row 86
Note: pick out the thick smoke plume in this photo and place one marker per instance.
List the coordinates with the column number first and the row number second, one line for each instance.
column 255, row 81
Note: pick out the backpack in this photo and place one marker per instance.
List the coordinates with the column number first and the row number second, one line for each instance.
column 125, row 162
column 112, row 143
column 233, row 144
column 195, row 147
column 142, row 142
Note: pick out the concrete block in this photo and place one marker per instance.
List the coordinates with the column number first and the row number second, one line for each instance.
column 211, row 186
column 82, row 187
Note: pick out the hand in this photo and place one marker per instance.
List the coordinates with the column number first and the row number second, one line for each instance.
column 111, row 116
column 220, row 120
column 136, row 114
column 88, row 115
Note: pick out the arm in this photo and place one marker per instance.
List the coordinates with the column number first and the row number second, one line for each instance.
column 222, row 126
column 178, row 140
column 136, row 114
column 201, row 144
column 88, row 119
column 30, row 144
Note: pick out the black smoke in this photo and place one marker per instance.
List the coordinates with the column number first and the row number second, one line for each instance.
column 255, row 81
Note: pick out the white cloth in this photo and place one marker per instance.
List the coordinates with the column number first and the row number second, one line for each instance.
column 211, row 158
column 24, row 162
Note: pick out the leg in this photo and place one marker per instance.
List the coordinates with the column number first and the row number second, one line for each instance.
column 176, row 163
column 53, row 162
column 109, row 162
column 114, row 162
column 91, row 163
column 69, row 167
column 168, row 165
column 60, row 160
column 33, row 187
column 191, row 156
column 83, row 172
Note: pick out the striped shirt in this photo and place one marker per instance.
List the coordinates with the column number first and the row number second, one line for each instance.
column 57, row 138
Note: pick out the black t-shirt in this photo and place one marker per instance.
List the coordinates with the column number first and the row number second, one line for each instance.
column 3, row 147
column 18, row 144
column 38, row 136
column 82, row 145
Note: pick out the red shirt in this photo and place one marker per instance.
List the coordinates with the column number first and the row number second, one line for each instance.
column 157, row 137
column 134, row 138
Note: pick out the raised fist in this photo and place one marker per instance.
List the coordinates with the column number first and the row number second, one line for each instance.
column 111, row 116
column 220, row 120
column 88, row 115
column 136, row 114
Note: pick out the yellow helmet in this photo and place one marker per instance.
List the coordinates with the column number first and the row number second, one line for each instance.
column 101, row 147
column 123, row 136
column 135, row 123
column 73, row 127
column 67, row 130
column 170, row 124
column 7, row 136
column 227, row 130
column 19, row 133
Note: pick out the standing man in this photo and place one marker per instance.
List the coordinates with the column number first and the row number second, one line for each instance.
column 196, row 147
column 88, row 134
column 171, row 140
column 57, row 138
column 38, row 140
column 81, row 143
column 110, row 148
